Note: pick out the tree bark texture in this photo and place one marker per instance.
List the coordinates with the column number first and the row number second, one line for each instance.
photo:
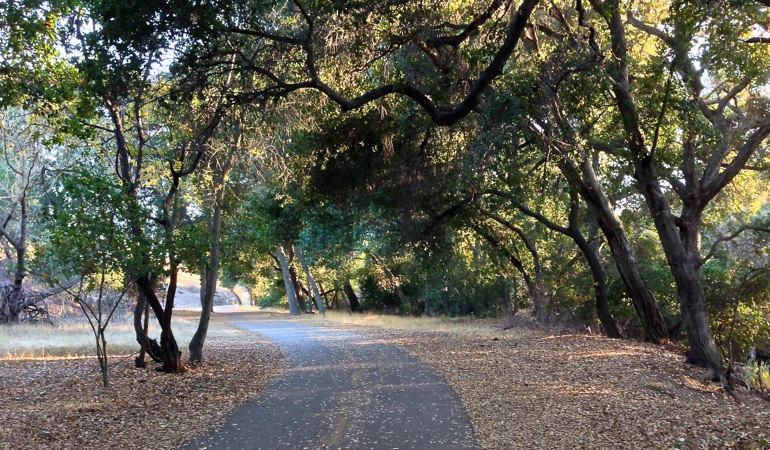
column 207, row 307
column 682, row 250
column 14, row 301
column 646, row 306
column 297, row 288
column 311, row 281
column 170, row 350
column 351, row 295
column 210, row 272
column 681, row 245
column 608, row 322
column 146, row 346
column 287, row 281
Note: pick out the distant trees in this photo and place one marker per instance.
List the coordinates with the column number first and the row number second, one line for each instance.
column 28, row 170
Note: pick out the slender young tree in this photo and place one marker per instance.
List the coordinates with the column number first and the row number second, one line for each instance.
column 210, row 274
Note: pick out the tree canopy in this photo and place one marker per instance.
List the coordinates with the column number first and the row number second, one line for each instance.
column 600, row 162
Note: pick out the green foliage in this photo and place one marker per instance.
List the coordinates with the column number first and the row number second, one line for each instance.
column 381, row 180
column 737, row 281
column 739, row 312
column 758, row 376
column 33, row 73
column 722, row 28
column 377, row 295
column 192, row 244
column 91, row 230
column 274, row 296
column 250, row 235
column 462, row 283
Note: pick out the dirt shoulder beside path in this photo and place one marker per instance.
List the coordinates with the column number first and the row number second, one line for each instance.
column 522, row 390
column 525, row 390
column 60, row 403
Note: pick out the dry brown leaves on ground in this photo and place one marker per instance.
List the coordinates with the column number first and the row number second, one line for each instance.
column 525, row 390
column 521, row 390
column 61, row 403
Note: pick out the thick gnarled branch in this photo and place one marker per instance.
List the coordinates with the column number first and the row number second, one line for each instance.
column 440, row 115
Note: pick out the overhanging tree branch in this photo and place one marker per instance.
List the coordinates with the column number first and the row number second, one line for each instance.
column 440, row 116
column 470, row 30
column 730, row 237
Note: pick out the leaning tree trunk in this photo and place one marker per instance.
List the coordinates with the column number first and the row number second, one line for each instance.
column 644, row 302
column 287, row 282
column 204, row 292
column 609, row 324
column 209, row 275
column 680, row 250
column 172, row 357
column 646, row 306
column 207, row 307
column 297, row 289
column 590, row 253
column 352, row 297
column 311, row 281
column 142, row 309
column 583, row 178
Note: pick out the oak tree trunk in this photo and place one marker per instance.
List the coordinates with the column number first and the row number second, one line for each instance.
column 311, row 281
column 287, row 281
column 608, row 322
column 297, row 289
column 681, row 245
column 172, row 357
column 351, row 295
column 644, row 302
column 207, row 307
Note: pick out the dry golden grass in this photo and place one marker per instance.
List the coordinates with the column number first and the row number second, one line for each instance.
column 73, row 337
column 466, row 326
column 59, row 402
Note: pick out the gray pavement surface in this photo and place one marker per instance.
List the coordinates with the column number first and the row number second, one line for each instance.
column 344, row 391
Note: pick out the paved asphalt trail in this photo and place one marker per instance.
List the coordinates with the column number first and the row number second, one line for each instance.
column 344, row 391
